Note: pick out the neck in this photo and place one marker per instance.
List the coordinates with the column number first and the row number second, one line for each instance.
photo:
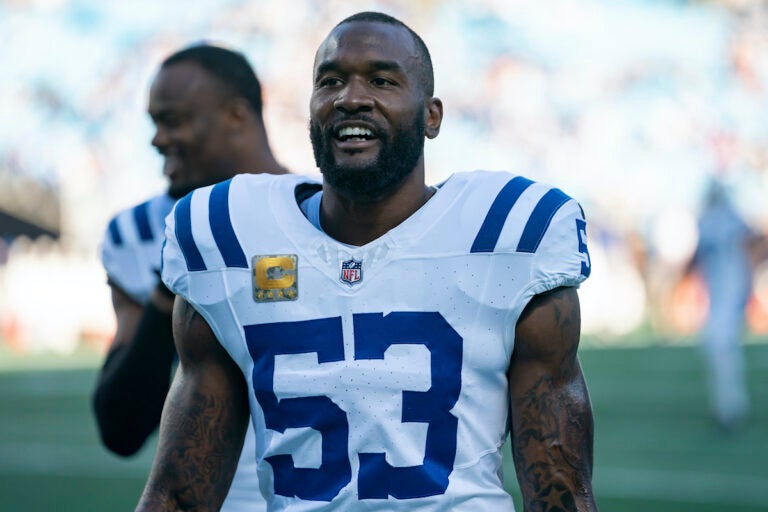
column 263, row 163
column 257, row 156
column 358, row 223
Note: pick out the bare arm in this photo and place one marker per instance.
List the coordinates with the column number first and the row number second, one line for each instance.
column 551, row 416
column 136, row 373
column 203, row 424
column 127, row 313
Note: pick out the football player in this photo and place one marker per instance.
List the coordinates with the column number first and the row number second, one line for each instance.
column 383, row 336
column 205, row 103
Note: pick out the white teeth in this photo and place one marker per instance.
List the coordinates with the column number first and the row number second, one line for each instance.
column 355, row 131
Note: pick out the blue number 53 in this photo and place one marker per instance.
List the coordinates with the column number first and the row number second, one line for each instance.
column 374, row 334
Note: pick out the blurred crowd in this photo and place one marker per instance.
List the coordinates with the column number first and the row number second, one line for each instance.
column 632, row 106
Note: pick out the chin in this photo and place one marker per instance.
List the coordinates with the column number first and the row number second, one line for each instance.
column 179, row 191
column 355, row 162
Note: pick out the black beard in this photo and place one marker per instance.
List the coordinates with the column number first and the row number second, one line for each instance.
column 217, row 173
column 180, row 191
column 382, row 175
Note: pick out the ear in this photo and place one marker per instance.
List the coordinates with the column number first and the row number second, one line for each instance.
column 434, row 117
column 238, row 112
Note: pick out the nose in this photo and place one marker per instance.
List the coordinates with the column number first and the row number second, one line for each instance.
column 160, row 139
column 354, row 97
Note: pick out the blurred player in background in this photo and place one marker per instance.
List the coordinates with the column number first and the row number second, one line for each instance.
column 206, row 105
column 383, row 335
column 724, row 261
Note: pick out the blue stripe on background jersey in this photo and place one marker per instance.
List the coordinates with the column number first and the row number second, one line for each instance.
column 114, row 232
column 489, row 233
column 184, row 235
column 540, row 219
column 164, row 210
column 221, row 227
column 141, row 217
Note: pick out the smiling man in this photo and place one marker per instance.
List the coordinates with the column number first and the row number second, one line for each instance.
column 363, row 154
column 382, row 335
column 205, row 103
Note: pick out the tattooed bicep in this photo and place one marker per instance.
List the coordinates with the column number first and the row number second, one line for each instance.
column 548, row 330
column 192, row 335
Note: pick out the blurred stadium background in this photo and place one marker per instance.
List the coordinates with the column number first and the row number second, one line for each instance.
column 632, row 106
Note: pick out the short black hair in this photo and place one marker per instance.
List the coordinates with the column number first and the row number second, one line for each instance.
column 426, row 73
column 230, row 67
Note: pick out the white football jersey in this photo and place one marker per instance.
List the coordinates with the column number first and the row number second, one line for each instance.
column 131, row 249
column 377, row 374
column 131, row 255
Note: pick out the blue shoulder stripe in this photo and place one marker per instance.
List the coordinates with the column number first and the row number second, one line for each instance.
column 141, row 217
column 489, row 233
column 540, row 219
column 184, row 234
column 221, row 226
column 114, row 232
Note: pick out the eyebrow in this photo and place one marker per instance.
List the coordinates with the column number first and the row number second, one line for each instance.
column 386, row 65
column 376, row 65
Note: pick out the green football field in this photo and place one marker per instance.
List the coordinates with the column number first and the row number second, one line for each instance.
column 655, row 447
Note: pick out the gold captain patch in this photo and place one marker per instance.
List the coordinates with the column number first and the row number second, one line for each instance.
column 275, row 278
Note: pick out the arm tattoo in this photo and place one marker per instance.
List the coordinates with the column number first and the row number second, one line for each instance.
column 553, row 429
column 200, row 435
column 199, row 447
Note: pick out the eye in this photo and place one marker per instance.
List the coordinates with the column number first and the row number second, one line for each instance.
column 169, row 120
column 173, row 121
column 330, row 81
column 380, row 81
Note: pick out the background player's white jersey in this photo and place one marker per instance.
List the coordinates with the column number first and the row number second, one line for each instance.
column 377, row 374
column 132, row 246
column 131, row 255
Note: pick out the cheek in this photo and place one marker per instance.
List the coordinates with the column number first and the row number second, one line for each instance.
column 203, row 129
column 207, row 141
column 403, row 113
column 184, row 135
column 403, row 122
column 319, row 106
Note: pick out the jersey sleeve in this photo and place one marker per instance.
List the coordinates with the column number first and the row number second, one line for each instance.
column 123, row 261
column 562, row 257
column 174, row 272
column 559, row 256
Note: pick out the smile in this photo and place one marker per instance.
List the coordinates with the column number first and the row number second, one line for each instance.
column 354, row 133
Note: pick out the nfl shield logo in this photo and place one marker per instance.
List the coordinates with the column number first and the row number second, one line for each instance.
column 351, row 271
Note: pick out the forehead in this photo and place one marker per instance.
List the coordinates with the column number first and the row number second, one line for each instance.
column 182, row 82
column 355, row 43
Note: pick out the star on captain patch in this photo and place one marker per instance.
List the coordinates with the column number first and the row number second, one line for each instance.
column 275, row 278
column 351, row 271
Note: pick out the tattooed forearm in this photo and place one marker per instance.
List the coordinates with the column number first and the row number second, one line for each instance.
column 197, row 453
column 551, row 417
column 552, row 445
column 202, row 447
column 203, row 424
